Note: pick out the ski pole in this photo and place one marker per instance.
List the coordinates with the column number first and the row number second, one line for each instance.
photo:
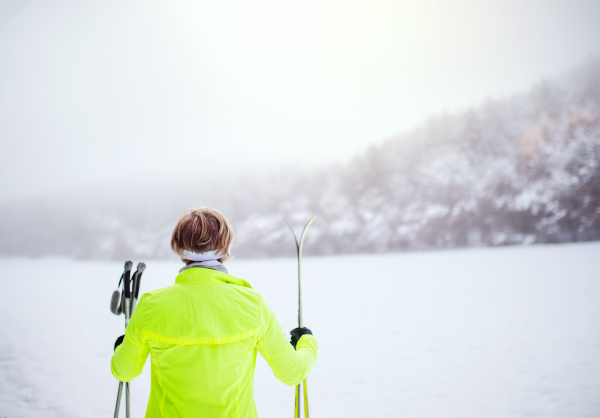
column 299, row 246
column 125, row 302
column 118, row 399
column 135, row 285
column 127, row 310
column 131, row 290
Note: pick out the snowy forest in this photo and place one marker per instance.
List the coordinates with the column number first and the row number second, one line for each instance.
column 517, row 170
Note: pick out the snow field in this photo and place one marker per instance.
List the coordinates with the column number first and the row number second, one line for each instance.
column 504, row 332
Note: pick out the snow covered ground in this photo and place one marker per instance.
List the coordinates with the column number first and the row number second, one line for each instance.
column 504, row 332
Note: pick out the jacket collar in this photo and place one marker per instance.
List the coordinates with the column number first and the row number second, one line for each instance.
column 211, row 264
column 203, row 275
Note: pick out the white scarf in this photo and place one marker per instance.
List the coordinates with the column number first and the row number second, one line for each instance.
column 207, row 256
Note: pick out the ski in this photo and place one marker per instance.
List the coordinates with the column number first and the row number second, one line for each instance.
column 299, row 246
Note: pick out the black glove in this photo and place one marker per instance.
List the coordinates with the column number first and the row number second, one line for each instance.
column 119, row 341
column 297, row 333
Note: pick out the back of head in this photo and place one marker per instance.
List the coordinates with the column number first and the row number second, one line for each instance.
column 200, row 231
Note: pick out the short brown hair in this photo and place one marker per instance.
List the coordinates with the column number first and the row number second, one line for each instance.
column 201, row 230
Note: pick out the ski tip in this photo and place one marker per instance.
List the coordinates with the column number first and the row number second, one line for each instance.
column 141, row 267
column 308, row 224
column 293, row 233
column 128, row 265
column 301, row 244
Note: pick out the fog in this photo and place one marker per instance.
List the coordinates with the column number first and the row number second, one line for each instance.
column 403, row 126
column 182, row 92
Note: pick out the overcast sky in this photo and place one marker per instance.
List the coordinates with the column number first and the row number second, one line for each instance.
column 99, row 90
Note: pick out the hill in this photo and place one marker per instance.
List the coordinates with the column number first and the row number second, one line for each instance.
column 520, row 170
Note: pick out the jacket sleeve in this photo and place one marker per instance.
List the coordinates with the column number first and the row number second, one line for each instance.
column 129, row 358
column 289, row 366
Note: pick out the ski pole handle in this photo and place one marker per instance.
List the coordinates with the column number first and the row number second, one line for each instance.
column 138, row 279
column 127, row 291
column 127, row 280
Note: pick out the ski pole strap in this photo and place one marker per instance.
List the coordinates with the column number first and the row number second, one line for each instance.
column 127, row 284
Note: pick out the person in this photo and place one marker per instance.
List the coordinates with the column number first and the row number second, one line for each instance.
column 203, row 332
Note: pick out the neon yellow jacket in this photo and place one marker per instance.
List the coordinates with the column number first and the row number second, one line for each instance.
column 203, row 333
